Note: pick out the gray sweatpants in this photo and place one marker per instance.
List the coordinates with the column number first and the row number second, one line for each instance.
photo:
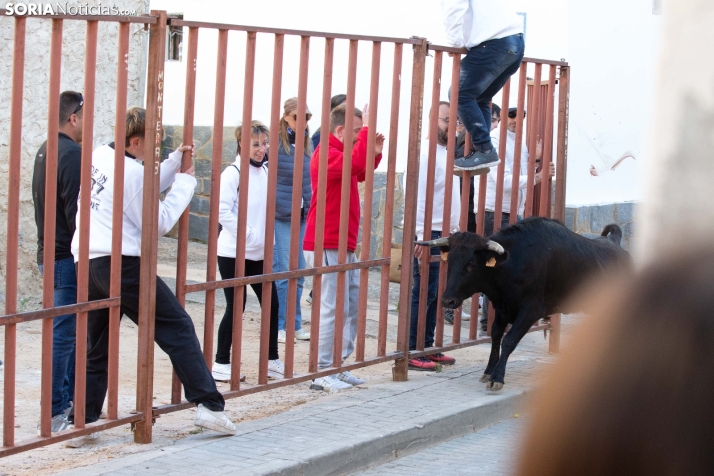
column 328, row 301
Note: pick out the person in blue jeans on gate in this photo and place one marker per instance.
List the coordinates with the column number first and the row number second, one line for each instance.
column 283, row 211
column 69, row 158
column 429, row 362
column 493, row 35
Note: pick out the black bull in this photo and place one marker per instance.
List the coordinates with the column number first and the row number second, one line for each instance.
column 528, row 271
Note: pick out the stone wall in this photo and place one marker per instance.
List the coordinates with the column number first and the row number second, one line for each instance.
column 590, row 220
column 34, row 108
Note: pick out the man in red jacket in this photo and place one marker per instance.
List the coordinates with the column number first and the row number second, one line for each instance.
column 335, row 162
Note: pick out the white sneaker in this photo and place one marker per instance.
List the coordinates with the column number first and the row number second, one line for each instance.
column 283, row 336
column 302, row 334
column 222, row 373
column 465, row 316
column 329, row 383
column 58, row 423
column 211, row 420
column 276, row 369
column 82, row 440
column 349, row 378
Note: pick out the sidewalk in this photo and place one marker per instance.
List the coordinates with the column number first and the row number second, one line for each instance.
column 353, row 430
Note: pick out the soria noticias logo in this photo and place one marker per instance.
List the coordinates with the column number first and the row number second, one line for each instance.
column 40, row 9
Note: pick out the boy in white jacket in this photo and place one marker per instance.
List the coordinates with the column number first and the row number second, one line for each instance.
column 254, row 246
column 174, row 330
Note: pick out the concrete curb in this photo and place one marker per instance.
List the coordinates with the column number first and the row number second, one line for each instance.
column 375, row 449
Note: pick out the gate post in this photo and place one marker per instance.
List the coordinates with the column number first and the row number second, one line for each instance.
column 561, row 174
column 149, row 229
column 400, row 370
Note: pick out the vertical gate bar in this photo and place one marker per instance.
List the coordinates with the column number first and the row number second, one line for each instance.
column 182, row 249
column 85, row 190
column 515, row 190
column 533, row 141
column 345, row 204
column 561, row 171
column 242, row 207
column 448, row 187
column 368, row 198
column 13, row 229
column 463, row 226
column 480, row 229
column 291, row 307
column 389, row 200
column 51, row 160
column 400, row 371
column 275, row 115
column 546, row 183
column 216, row 159
column 149, row 227
column 117, row 219
column 425, row 262
column 320, row 203
column 560, row 183
column 503, row 138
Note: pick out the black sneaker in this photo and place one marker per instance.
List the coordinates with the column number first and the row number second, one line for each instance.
column 449, row 315
column 477, row 160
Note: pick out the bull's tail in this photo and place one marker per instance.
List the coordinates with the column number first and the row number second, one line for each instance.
column 613, row 233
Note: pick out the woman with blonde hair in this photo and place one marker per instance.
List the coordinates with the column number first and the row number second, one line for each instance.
column 254, row 245
column 283, row 209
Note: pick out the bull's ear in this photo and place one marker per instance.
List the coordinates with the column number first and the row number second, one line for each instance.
column 444, row 252
column 491, row 259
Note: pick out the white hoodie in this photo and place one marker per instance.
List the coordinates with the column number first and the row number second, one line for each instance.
column 100, row 214
column 257, row 207
column 471, row 22
column 507, row 176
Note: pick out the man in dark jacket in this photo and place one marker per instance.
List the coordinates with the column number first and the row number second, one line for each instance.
column 69, row 154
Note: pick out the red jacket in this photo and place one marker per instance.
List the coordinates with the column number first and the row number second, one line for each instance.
column 335, row 158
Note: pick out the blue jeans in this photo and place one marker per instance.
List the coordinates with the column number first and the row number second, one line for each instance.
column 63, row 336
column 281, row 257
column 484, row 71
column 431, row 304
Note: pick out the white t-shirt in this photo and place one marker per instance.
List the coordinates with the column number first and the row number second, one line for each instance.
column 437, row 216
column 471, row 22
column 102, row 199
column 507, row 176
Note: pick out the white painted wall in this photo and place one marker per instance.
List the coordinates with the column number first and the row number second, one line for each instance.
column 612, row 47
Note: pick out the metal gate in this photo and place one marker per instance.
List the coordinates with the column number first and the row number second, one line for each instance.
column 543, row 107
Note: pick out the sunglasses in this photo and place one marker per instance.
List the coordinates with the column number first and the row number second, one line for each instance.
column 512, row 114
column 308, row 116
column 81, row 103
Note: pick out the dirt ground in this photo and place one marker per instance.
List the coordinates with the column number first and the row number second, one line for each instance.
column 169, row 428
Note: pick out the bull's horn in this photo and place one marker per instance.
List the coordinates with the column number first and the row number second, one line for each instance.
column 493, row 246
column 432, row 243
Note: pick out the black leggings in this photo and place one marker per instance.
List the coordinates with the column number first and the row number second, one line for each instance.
column 227, row 268
column 173, row 331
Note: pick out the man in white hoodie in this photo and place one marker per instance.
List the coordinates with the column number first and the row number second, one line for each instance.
column 174, row 330
column 493, row 35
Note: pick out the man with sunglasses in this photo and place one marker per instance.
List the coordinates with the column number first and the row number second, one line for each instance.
column 493, row 35
column 69, row 155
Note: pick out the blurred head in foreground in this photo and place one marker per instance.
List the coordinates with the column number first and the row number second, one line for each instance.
column 633, row 393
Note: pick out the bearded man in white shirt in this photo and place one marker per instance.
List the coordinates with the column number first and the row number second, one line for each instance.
column 420, row 253
column 174, row 330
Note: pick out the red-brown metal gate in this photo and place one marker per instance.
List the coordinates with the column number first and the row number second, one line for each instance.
column 543, row 109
